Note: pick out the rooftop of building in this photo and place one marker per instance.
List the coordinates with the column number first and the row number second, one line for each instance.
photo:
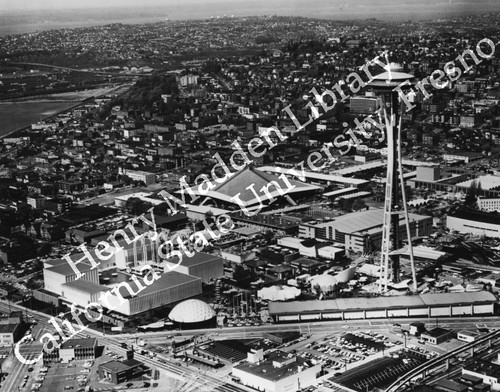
column 437, row 332
column 470, row 154
column 197, row 259
column 273, row 221
column 237, row 185
column 304, row 262
column 8, row 328
column 79, row 343
column 145, row 196
column 470, row 377
column 268, row 371
column 363, row 221
column 486, row 368
column 81, row 214
column 247, row 231
column 450, row 385
column 488, row 182
column 132, row 171
column 317, row 176
column 86, row 286
column 364, row 303
column 478, row 216
column 204, row 209
column 359, row 168
column 422, row 251
column 338, row 192
column 120, row 366
column 280, row 268
column 61, row 266
column 469, row 333
column 167, row 281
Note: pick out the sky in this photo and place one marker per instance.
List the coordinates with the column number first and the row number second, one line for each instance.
column 72, row 4
column 7, row 5
column 18, row 16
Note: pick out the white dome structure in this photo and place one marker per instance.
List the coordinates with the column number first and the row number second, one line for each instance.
column 191, row 311
column 325, row 281
column 278, row 293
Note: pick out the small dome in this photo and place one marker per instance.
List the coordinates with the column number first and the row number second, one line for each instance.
column 191, row 311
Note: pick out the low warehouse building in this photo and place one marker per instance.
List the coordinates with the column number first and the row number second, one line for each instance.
column 424, row 305
column 280, row 372
column 11, row 329
column 71, row 349
column 467, row 336
column 117, row 372
column 489, row 372
column 437, row 335
column 474, row 222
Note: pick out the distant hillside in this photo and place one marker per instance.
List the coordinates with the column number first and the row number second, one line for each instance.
column 147, row 92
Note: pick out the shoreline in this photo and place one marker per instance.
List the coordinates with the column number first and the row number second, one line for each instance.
column 31, row 99
column 25, row 127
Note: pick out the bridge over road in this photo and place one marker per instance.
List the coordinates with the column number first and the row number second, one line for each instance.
column 425, row 367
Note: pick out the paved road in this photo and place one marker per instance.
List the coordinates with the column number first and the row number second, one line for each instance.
column 208, row 382
column 193, row 376
column 324, row 327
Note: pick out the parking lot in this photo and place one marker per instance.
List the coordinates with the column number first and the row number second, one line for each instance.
column 73, row 376
column 337, row 350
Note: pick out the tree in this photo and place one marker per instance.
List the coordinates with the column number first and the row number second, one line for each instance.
column 162, row 209
column 209, row 217
column 242, row 276
column 472, row 194
column 268, row 235
column 359, row 204
column 409, row 193
column 136, row 206
column 345, row 204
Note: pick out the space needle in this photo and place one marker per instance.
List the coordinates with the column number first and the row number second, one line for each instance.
column 384, row 85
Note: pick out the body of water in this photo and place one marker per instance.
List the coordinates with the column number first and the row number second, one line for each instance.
column 19, row 114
